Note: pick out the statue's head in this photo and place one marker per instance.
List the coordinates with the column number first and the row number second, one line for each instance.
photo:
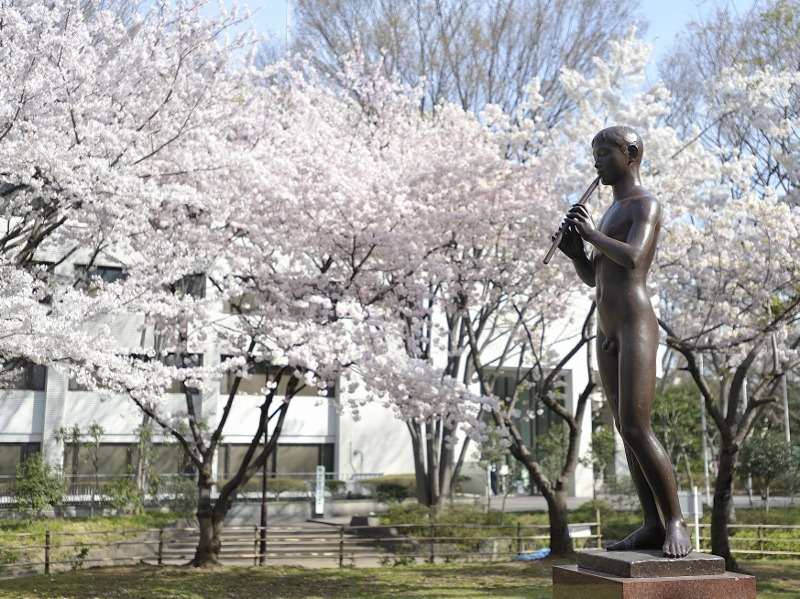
column 627, row 140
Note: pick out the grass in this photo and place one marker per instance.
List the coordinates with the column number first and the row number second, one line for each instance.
column 530, row 580
column 22, row 540
column 505, row 580
column 776, row 579
column 87, row 525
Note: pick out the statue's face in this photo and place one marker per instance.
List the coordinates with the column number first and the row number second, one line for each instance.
column 610, row 162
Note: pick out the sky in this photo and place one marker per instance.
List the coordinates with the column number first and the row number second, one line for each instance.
column 666, row 17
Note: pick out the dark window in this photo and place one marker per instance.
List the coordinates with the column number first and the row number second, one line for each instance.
column 30, row 376
column 97, row 274
column 171, row 459
column 242, row 304
column 287, row 459
column 536, row 418
column 113, row 459
column 182, row 361
column 193, row 284
column 11, row 454
column 260, row 374
column 42, row 273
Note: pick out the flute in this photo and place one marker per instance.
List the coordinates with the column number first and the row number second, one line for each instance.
column 560, row 234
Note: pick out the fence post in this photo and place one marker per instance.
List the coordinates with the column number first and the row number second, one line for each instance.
column 47, row 552
column 433, row 546
column 599, row 533
column 761, row 539
column 519, row 538
column 160, row 546
column 341, row 546
column 256, row 553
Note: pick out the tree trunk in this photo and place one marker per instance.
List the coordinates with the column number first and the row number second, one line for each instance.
column 723, row 498
column 210, row 544
column 211, row 522
column 447, row 483
column 420, row 476
column 560, row 541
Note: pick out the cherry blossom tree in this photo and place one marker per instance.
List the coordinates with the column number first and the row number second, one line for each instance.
column 103, row 120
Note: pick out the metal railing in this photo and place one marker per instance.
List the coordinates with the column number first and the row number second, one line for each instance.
column 84, row 490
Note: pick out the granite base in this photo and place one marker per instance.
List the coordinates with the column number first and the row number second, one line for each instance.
column 648, row 575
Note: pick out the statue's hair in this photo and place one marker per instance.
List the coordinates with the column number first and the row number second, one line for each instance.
column 622, row 136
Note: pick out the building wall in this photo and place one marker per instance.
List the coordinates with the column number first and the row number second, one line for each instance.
column 374, row 443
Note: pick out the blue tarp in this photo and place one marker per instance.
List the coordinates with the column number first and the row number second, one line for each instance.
column 538, row 554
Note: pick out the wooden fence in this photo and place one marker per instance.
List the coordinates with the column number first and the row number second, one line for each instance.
column 319, row 546
column 758, row 540
column 333, row 545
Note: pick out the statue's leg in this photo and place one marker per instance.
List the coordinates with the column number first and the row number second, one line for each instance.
column 651, row 534
column 637, row 380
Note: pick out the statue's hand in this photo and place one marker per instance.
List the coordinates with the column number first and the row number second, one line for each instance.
column 581, row 221
column 571, row 243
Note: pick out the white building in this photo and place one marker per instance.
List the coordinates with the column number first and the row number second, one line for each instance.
column 38, row 413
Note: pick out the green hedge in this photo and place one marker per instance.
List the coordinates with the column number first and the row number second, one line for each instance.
column 392, row 489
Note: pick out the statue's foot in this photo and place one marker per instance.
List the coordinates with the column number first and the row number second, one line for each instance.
column 678, row 539
column 649, row 536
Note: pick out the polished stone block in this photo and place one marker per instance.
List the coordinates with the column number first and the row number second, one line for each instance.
column 573, row 582
column 649, row 563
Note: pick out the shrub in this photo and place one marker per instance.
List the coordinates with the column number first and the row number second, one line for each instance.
column 124, row 496
column 336, row 487
column 182, row 496
column 38, row 485
column 278, row 486
column 392, row 489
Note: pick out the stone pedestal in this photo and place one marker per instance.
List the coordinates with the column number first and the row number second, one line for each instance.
column 603, row 574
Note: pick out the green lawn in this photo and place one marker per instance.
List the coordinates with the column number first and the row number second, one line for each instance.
column 776, row 580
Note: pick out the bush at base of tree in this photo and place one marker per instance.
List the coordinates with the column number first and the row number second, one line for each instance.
column 38, row 485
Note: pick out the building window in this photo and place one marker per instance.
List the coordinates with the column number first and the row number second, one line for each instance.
column 118, row 459
column 28, row 376
column 192, row 284
column 42, row 273
column 242, row 304
column 170, row 460
column 97, row 274
column 536, row 418
column 182, row 361
column 295, row 460
column 11, row 454
column 113, row 459
column 260, row 374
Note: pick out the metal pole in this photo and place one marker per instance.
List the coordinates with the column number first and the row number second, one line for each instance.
column 696, row 519
column 786, row 432
column 599, row 532
column 341, row 546
column 705, row 449
column 704, row 435
column 785, row 392
column 262, row 548
column 160, row 546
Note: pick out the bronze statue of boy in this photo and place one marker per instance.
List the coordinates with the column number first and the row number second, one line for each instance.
column 621, row 251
